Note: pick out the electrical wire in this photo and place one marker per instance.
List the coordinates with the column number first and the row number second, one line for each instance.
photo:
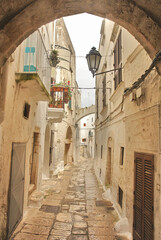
column 94, row 88
column 143, row 76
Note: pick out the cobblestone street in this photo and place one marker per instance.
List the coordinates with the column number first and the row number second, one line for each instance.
column 72, row 209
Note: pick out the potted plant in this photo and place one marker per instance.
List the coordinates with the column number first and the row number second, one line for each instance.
column 58, row 87
column 60, row 103
column 53, row 58
column 63, row 87
column 69, row 93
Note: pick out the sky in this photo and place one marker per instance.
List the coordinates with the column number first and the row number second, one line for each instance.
column 84, row 30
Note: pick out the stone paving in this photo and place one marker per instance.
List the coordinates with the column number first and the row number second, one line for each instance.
column 72, row 209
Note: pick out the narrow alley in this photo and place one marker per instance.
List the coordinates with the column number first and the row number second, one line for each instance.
column 72, row 208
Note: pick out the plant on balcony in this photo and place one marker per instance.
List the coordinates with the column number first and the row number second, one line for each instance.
column 69, row 93
column 56, row 104
column 52, row 104
column 59, row 103
column 63, row 87
column 53, row 58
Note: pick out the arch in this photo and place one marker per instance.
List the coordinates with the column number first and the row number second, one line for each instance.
column 46, row 152
column 68, row 147
column 141, row 18
column 69, row 133
column 83, row 112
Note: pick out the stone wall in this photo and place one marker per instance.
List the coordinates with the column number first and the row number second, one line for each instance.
column 17, row 128
column 64, row 145
column 131, row 122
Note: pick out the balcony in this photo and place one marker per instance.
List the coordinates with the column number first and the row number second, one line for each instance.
column 31, row 84
column 35, row 72
column 56, row 106
column 55, row 115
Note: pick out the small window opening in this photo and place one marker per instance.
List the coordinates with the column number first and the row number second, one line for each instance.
column 120, row 197
column 26, row 111
column 121, row 155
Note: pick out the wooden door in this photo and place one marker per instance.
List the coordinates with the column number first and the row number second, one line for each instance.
column 143, row 197
column 16, row 189
column 108, row 168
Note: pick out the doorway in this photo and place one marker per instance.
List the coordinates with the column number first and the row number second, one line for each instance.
column 47, row 150
column 34, row 160
column 16, row 189
column 108, row 168
column 67, row 146
column 143, row 197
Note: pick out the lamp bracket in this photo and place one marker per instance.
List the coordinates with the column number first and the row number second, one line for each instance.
column 112, row 70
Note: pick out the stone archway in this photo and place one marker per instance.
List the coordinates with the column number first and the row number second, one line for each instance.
column 18, row 20
column 68, row 147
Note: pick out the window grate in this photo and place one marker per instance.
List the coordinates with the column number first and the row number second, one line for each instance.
column 26, row 110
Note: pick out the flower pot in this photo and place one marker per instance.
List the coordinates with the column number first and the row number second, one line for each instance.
column 57, row 89
column 60, row 105
column 51, row 105
column 65, row 90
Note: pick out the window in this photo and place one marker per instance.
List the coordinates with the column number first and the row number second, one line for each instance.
column 104, row 91
column 120, row 197
column 30, row 54
column 83, row 139
column 121, row 155
column 84, row 124
column 29, row 62
column 26, row 110
column 101, row 151
column 118, row 61
column 90, row 133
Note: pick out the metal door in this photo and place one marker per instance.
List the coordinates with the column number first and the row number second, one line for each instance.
column 16, row 189
column 143, row 197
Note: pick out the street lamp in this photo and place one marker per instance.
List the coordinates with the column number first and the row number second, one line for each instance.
column 93, row 60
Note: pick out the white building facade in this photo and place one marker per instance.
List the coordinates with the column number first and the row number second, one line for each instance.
column 87, row 135
column 127, row 159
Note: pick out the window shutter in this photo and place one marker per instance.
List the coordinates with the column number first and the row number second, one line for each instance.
column 148, row 199
column 118, row 61
column 138, row 198
column 143, row 197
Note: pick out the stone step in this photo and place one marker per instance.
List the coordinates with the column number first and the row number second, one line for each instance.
column 36, row 198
